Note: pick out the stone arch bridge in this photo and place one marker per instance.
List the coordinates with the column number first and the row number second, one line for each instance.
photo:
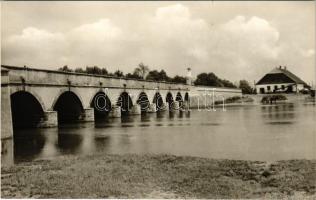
column 48, row 96
column 44, row 98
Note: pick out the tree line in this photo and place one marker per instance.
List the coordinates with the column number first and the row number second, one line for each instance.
column 140, row 72
column 143, row 72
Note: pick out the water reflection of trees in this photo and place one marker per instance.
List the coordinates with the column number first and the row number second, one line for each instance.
column 278, row 112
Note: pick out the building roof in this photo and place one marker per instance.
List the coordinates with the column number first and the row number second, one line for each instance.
column 280, row 75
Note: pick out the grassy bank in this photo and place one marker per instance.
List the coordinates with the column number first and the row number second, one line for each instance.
column 158, row 176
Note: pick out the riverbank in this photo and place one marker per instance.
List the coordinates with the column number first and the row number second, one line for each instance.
column 158, row 176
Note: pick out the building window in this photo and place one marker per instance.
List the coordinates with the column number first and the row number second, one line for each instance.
column 275, row 87
column 283, row 87
column 269, row 88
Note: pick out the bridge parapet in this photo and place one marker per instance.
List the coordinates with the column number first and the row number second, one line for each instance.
column 32, row 76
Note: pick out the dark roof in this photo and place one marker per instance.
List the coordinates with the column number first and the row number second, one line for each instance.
column 280, row 75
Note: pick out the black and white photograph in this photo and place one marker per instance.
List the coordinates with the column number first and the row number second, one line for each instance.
column 158, row 100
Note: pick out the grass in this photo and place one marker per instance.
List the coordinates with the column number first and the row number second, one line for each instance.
column 157, row 176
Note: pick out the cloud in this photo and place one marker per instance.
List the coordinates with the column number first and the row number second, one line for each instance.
column 80, row 46
column 308, row 53
column 178, row 40
column 248, row 46
column 171, row 38
column 174, row 24
column 101, row 30
column 95, row 43
column 255, row 36
column 34, row 45
column 174, row 39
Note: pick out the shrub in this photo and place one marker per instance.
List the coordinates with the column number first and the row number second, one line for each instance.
column 273, row 98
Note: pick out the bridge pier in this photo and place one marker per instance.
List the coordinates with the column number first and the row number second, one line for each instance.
column 115, row 112
column 49, row 120
column 136, row 110
column 6, row 121
column 175, row 105
column 164, row 106
column 88, row 115
column 7, row 152
column 168, row 106
column 186, row 105
column 152, row 108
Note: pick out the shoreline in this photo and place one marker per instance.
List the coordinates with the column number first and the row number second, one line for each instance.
column 158, row 176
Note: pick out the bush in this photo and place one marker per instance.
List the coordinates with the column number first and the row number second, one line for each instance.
column 234, row 99
column 273, row 98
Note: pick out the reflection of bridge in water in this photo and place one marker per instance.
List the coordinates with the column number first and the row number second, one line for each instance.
column 43, row 98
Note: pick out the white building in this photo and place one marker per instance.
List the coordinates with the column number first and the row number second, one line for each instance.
column 280, row 80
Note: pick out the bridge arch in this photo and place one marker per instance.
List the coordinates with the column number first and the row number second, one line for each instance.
column 179, row 99
column 101, row 105
column 69, row 107
column 158, row 100
column 125, row 102
column 27, row 110
column 64, row 90
column 143, row 101
column 186, row 97
column 94, row 93
column 169, row 99
column 32, row 92
column 186, row 100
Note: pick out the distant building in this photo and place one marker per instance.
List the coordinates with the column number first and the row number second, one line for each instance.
column 280, row 80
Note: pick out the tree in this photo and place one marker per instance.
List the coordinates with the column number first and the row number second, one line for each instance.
column 96, row 70
column 179, row 79
column 141, row 70
column 65, row 69
column 104, row 71
column 118, row 73
column 153, row 75
column 227, row 83
column 93, row 70
column 157, row 76
column 211, row 79
column 245, row 87
column 80, row 70
column 163, row 76
column 134, row 76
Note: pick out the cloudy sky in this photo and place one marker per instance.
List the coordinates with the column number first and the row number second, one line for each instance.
column 235, row 40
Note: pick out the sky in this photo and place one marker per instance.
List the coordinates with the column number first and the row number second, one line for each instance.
column 235, row 40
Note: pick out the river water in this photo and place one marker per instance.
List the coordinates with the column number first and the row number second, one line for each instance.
column 248, row 132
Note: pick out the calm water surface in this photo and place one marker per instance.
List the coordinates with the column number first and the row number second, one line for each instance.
column 252, row 132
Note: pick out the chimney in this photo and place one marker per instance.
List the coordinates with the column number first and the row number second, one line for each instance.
column 285, row 67
column 280, row 67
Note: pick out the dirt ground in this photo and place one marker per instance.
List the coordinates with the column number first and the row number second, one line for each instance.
column 158, row 176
